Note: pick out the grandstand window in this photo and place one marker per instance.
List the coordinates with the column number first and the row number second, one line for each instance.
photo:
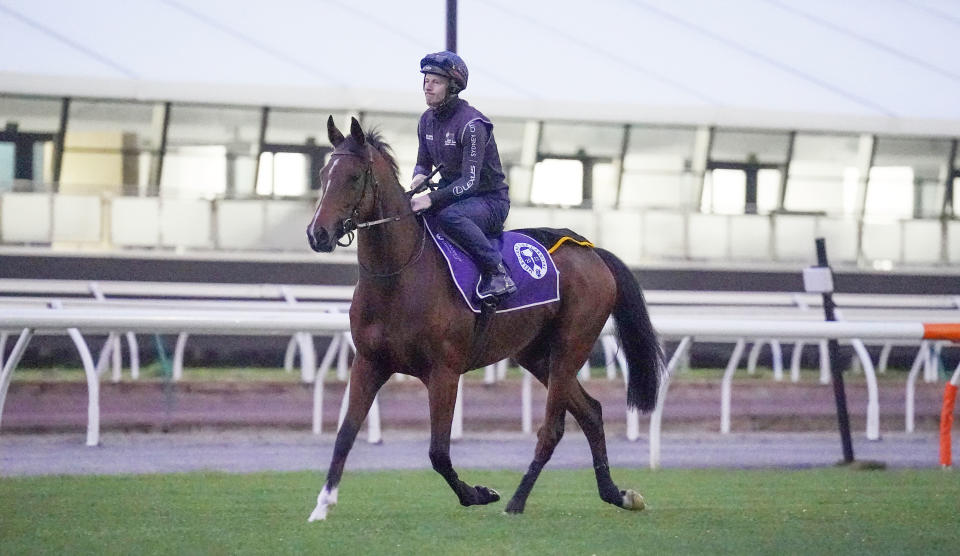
column 296, row 127
column 819, row 169
column 211, row 151
column 29, row 126
column 109, row 146
column 584, row 144
column 920, row 166
column 890, row 193
column 744, row 146
column 30, row 113
column 400, row 132
column 557, row 182
column 283, row 174
column 657, row 169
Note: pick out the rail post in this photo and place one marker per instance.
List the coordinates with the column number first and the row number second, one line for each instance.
column 820, row 279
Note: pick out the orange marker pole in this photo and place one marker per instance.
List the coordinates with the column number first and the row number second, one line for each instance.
column 946, row 419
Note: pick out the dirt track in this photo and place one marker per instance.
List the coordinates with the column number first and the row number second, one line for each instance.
column 248, row 426
column 757, row 405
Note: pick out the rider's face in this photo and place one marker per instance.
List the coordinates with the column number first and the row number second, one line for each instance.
column 435, row 89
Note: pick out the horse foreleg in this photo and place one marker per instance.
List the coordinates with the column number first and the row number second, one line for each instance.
column 442, row 390
column 547, row 439
column 365, row 382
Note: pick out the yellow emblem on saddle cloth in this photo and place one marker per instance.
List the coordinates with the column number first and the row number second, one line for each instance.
column 568, row 238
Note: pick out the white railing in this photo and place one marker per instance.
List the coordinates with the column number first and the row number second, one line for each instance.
column 94, row 320
column 734, row 305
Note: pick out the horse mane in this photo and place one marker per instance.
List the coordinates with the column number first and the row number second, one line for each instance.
column 375, row 139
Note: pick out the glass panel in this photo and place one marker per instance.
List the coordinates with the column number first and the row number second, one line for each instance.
column 820, row 166
column 927, row 161
column 509, row 136
column 211, row 151
column 31, row 114
column 7, row 164
column 283, row 174
column 571, row 139
column 557, row 182
column 604, row 185
column 768, row 190
column 657, row 169
column 195, row 172
column 400, row 132
column 104, row 144
column 724, row 192
column 296, row 127
column 956, row 196
column 890, row 192
column 746, row 146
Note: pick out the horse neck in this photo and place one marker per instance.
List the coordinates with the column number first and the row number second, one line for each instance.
column 388, row 247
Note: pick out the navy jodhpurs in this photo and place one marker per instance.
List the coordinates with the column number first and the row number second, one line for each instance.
column 470, row 221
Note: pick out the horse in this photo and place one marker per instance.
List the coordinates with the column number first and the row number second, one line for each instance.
column 407, row 317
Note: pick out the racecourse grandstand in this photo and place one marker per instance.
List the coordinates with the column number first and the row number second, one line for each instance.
column 707, row 143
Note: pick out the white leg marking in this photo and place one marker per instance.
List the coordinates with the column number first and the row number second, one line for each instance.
column 325, row 499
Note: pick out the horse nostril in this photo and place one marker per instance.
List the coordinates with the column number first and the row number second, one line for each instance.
column 319, row 240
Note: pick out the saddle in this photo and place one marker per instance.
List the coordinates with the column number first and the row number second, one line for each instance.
column 525, row 256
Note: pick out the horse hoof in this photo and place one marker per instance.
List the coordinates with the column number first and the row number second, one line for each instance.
column 632, row 500
column 513, row 508
column 486, row 495
column 325, row 499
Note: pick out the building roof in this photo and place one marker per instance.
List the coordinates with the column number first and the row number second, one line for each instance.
column 886, row 66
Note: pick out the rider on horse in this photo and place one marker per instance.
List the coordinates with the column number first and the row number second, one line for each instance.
column 473, row 199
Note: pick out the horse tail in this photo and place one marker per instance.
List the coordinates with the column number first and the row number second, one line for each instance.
column 637, row 336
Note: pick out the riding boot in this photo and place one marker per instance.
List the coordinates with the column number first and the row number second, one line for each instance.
column 496, row 282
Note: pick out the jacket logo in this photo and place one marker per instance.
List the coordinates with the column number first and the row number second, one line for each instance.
column 429, row 137
column 450, row 141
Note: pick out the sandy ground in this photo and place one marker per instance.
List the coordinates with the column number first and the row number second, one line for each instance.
column 253, row 450
column 248, row 427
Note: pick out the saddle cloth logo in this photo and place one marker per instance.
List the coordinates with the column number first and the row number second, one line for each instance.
column 531, row 259
column 529, row 263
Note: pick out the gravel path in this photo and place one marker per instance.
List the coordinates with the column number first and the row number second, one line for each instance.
column 249, row 450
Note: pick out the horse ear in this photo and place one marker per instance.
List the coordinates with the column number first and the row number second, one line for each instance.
column 355, row 131
column 333, row 134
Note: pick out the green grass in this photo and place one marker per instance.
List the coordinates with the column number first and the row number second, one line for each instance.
column 824, row 511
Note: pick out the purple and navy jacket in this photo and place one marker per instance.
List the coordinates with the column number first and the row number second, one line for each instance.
column 461, row 138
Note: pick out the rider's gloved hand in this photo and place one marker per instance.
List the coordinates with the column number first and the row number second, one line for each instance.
column 417, row 180
column 420, row 203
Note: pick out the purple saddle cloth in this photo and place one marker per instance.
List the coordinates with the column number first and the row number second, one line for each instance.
column 528, row 262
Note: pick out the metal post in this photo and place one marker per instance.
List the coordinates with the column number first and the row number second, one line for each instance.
column 624, row 147
column 161, row 125
column 839, row 393
column 60, row 142
column 452, row 25
column 261, row 139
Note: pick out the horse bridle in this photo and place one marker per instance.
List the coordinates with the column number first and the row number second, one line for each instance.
column 350, row 224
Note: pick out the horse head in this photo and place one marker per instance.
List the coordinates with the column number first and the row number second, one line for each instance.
column 347, row 184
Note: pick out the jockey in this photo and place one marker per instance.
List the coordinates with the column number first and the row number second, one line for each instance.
column 472, row 201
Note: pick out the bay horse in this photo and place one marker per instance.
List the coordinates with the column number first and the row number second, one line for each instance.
column 408, row 317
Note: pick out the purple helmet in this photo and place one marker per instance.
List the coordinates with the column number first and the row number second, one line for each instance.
column 448, row 65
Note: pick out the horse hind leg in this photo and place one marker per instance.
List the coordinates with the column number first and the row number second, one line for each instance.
column 547, row 439
column 589, row 416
